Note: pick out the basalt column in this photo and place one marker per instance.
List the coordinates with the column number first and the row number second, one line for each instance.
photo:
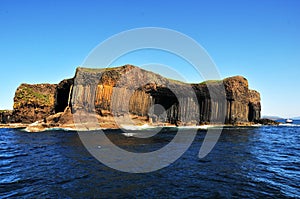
column 237, row 94
column 254, row 106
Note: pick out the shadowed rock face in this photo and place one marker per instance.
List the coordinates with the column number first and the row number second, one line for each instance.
column 62, row 95
column 5, row 116
column 130, row 90
column 254, row 106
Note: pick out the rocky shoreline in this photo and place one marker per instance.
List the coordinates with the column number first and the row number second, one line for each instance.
column 129, row 95
column 41, row 127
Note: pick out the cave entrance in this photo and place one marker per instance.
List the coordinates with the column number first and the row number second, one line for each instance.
column 251, row 113
column 62, row 95
column 165, row 107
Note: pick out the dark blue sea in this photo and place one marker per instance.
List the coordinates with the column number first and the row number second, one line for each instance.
column 253, row 162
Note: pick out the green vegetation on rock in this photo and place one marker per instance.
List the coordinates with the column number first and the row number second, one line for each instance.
column 28, row 94
column 4, row 111
column 211, row 82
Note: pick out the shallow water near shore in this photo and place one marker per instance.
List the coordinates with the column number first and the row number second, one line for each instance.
column 250, row 162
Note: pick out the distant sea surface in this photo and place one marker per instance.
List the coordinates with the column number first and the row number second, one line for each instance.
column 295, row 122
column 254, row 162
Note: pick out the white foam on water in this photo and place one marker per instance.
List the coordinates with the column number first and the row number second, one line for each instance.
column 129, row 134
column 290, row 125
column 196, row 127
column 133, row 128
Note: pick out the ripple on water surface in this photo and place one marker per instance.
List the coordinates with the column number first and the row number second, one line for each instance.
column 260, row 162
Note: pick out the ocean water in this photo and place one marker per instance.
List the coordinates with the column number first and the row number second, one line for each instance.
column 254, row 162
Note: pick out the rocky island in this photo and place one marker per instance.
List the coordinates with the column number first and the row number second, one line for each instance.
column 130, row 95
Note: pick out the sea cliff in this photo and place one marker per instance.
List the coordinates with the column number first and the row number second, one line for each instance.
column 129, row 92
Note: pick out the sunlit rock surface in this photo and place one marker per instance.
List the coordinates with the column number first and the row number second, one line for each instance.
column 33, row 102
column 131, row 93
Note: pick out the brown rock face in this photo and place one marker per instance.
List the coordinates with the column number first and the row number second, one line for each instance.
column 254, row 106
column 64, row 118
column 131, row 92
column 33, row 102
column 237, row 93
column 5, row 116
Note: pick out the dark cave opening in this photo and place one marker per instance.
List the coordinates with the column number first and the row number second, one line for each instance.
column 62, row 95
column 251, row 113
column 165, row 107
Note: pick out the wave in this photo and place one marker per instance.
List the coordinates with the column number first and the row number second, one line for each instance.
column 290, row 125
column 143, row 127
column 202, row 127
column 59, row 129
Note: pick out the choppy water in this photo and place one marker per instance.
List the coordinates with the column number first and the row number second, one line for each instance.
column 261, row 162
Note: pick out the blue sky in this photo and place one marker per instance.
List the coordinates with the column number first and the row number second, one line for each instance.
column 44, row 41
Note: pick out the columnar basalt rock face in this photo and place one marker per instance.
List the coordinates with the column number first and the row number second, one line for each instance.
column 254, row 106
column 212, row 101
column 131, row 90
column 33, row 102
column 237, row 94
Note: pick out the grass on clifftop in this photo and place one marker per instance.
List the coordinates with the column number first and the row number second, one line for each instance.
column 27, row 94
column 4, row 111
column 211, row 82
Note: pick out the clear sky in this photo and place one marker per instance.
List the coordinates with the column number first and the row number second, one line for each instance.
column 44, row 41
